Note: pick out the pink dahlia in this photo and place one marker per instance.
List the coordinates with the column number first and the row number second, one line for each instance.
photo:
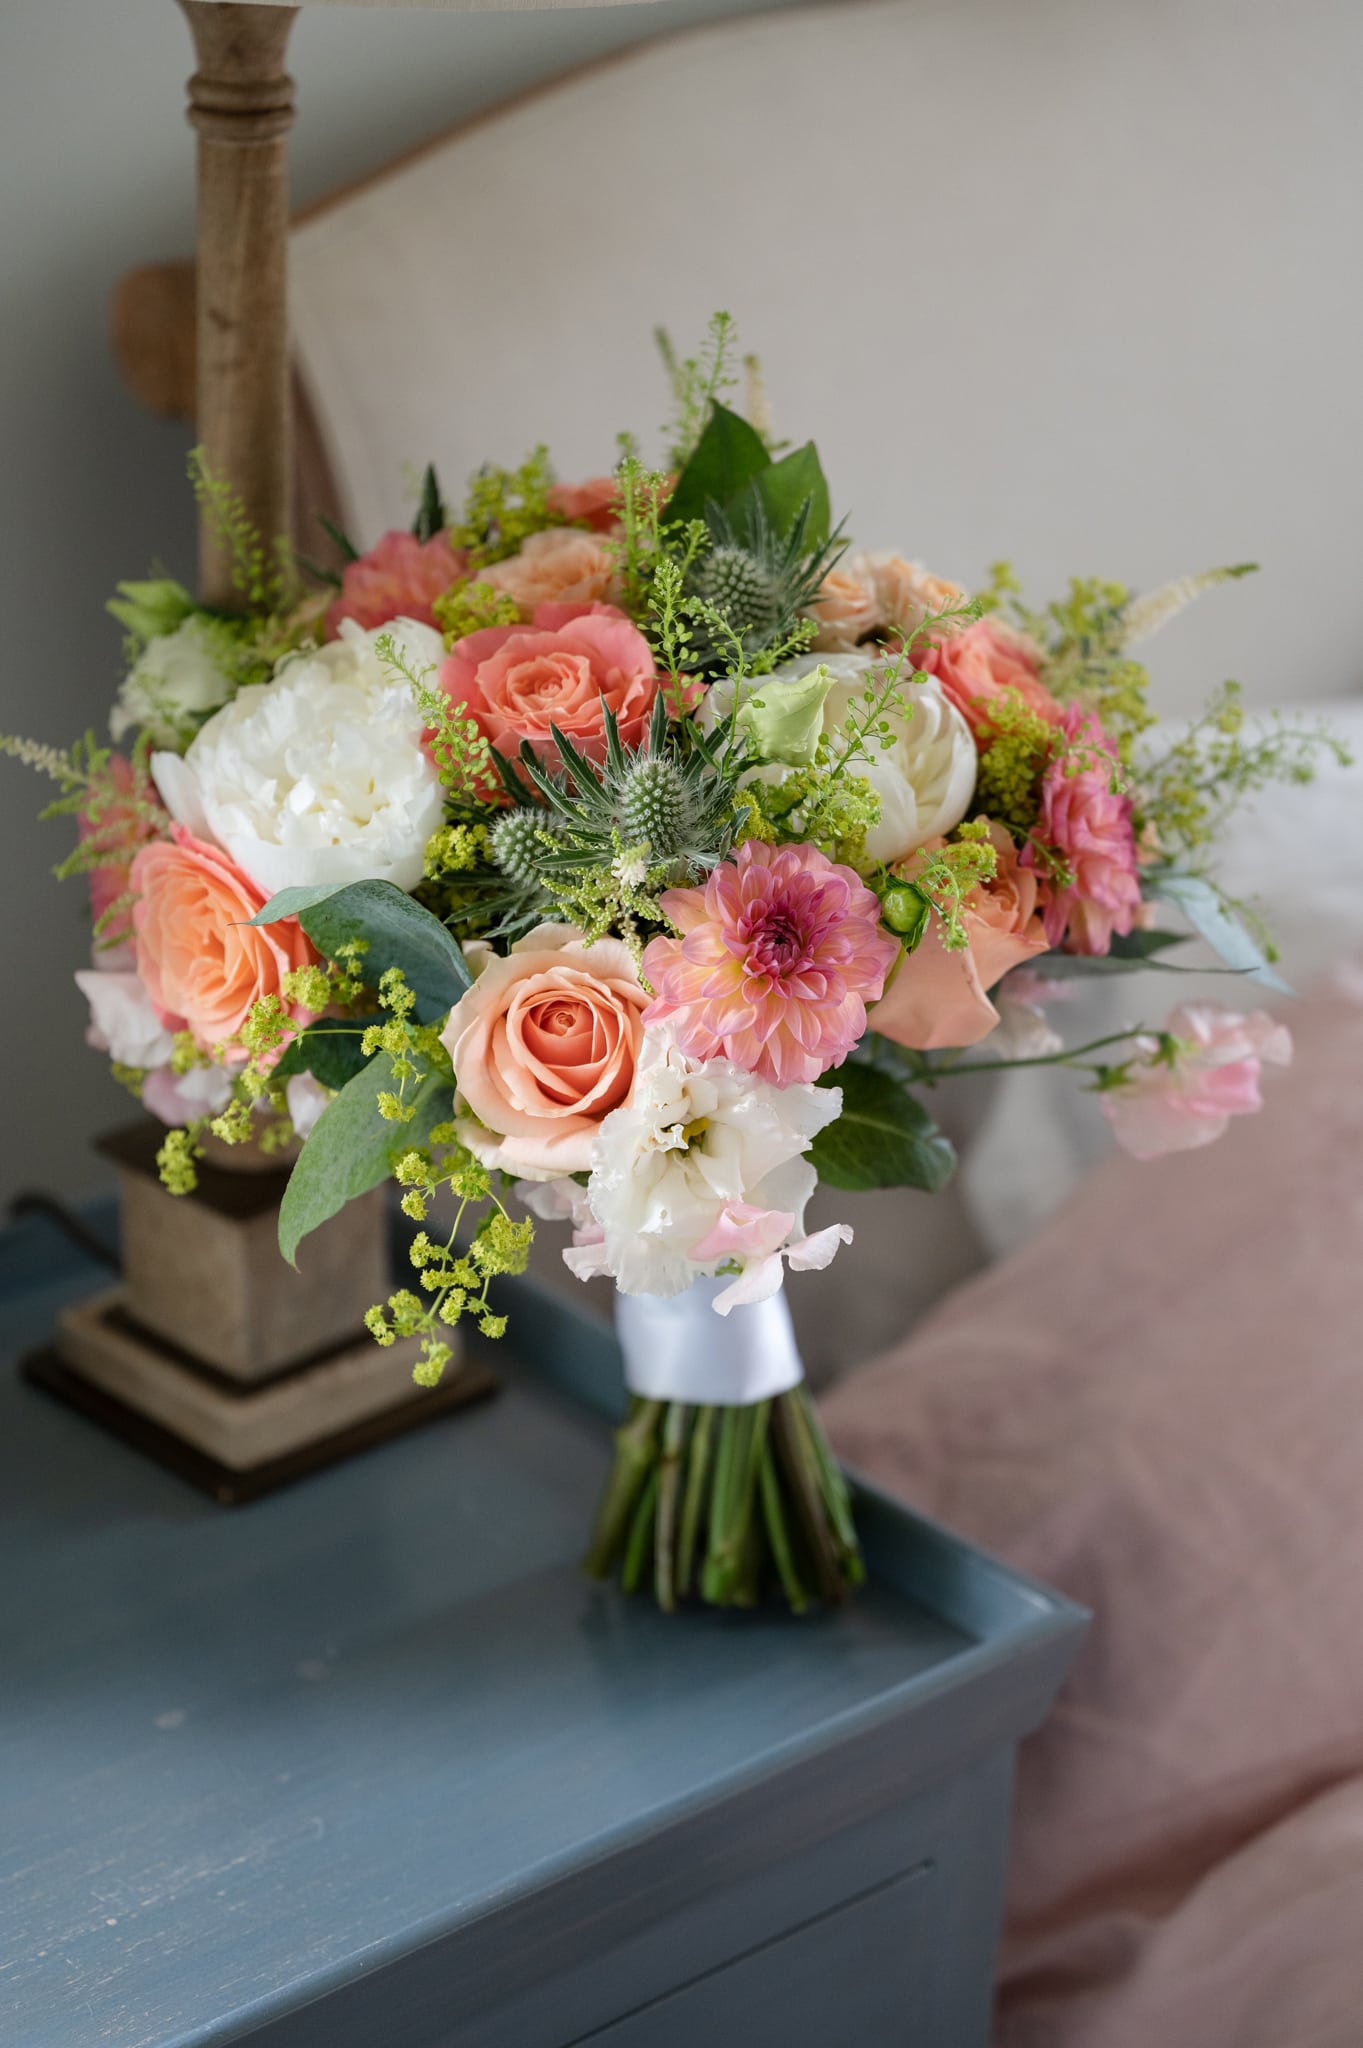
column 779, row 955
column 400, row 578
column 560, row 669
column 1089, row 826
column 1175, row 1100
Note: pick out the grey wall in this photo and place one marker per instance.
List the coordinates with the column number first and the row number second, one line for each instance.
column 1067, row 111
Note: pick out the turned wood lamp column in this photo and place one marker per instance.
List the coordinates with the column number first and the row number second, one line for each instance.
column 241, row 103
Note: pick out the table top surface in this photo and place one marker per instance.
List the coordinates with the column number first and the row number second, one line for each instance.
column 248, row 1752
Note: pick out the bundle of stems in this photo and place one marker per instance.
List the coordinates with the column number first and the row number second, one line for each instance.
column 726, row 1505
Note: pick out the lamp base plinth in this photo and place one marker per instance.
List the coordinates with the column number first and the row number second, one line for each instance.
column 237, row 1442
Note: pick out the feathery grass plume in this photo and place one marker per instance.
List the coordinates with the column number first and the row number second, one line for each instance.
column 1149, row 614
column 696, row 383
column 263, row 572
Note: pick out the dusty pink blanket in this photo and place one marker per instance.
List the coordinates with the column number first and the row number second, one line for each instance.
column 1157, row 1405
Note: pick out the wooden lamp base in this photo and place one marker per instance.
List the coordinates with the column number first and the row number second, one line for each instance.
column 220, row 1359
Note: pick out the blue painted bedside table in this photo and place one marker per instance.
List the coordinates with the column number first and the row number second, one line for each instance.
column 369, row 1764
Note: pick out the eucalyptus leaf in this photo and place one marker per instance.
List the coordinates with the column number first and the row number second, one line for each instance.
column 1206, row 910
column 1128, row 955
column 784, row 489
column 727, row 456
column 351, row 1148
column 884, row 1137
column 397, row 933
column 330, row 1051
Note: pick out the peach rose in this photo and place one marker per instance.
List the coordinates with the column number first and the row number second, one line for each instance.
column 401, row 577
column 562, row 566
column 544, row 1046
column 202, row 963
column 595, row 503
column 847, row 607
column 938, row 997
column 905, row 592
column 517, row 681
column 988, row 660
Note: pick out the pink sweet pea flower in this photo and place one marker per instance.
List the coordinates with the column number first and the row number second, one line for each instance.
column 756, row 1239
column 1176, row 1101
column 400, row 578
column 780, row 953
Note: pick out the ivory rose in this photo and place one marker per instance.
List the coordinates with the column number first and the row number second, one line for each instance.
column 202, row 963
column 518, row 681
column 561, row 566
column 985, row 662
column 939, row 996
column 399, row 578
column 544, row 1046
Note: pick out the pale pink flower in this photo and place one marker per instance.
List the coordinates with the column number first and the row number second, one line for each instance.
column 758, row 1240
column 400, row 578
column 562, row 565
column 1176, row 1100
column 560, row 669
column 1088, row 824
column 780, row 953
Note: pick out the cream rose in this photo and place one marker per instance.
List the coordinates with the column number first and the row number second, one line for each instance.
column 544, row 1046
column 924, row 778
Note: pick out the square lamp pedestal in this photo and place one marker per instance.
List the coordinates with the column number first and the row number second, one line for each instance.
column 221, row 1359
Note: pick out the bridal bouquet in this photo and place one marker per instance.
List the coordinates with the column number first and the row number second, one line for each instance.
column 638, row 855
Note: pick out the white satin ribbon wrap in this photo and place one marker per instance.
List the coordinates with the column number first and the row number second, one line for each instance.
column 680, row 1350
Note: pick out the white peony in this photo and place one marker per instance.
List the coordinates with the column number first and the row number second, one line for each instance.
column 175, row 681
column 319, row 775
column 925, row 778
column 702, row 1151
column 122, row 1020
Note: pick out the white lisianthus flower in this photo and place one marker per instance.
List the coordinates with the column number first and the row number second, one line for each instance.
column 122, row 1020
column 319, row 775
column 924, row 778
column 175, row 681
column 702, row 1168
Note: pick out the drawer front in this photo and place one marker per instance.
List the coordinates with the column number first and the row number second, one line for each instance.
column 852, row 1976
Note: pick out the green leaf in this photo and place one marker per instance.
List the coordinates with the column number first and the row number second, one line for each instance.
column 727, row 456
column 784, row 488
column 329, row 1051
column 351, row 1148
column 430, row 519
column 1127, row 956
column 397, row 933
column 338, row 538
column 1206, row 910
column 884, row 1137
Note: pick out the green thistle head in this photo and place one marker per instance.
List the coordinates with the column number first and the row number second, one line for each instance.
column 517, row 845
column 657, row 805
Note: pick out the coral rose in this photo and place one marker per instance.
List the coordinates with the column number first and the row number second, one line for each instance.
column 562, row 566
column 518, row 681
column 938, row 997
column 985, row 662
column 401, row 577
column 595, row 503
column 202, row 962
column 1088, row 824
column 544, row 1046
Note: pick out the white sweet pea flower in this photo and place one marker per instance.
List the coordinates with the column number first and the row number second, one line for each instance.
column 319, row 775
column 924, row 778
column 701, row 1168
column 122, row 1020
column 184, row 1098
column 175, row 680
